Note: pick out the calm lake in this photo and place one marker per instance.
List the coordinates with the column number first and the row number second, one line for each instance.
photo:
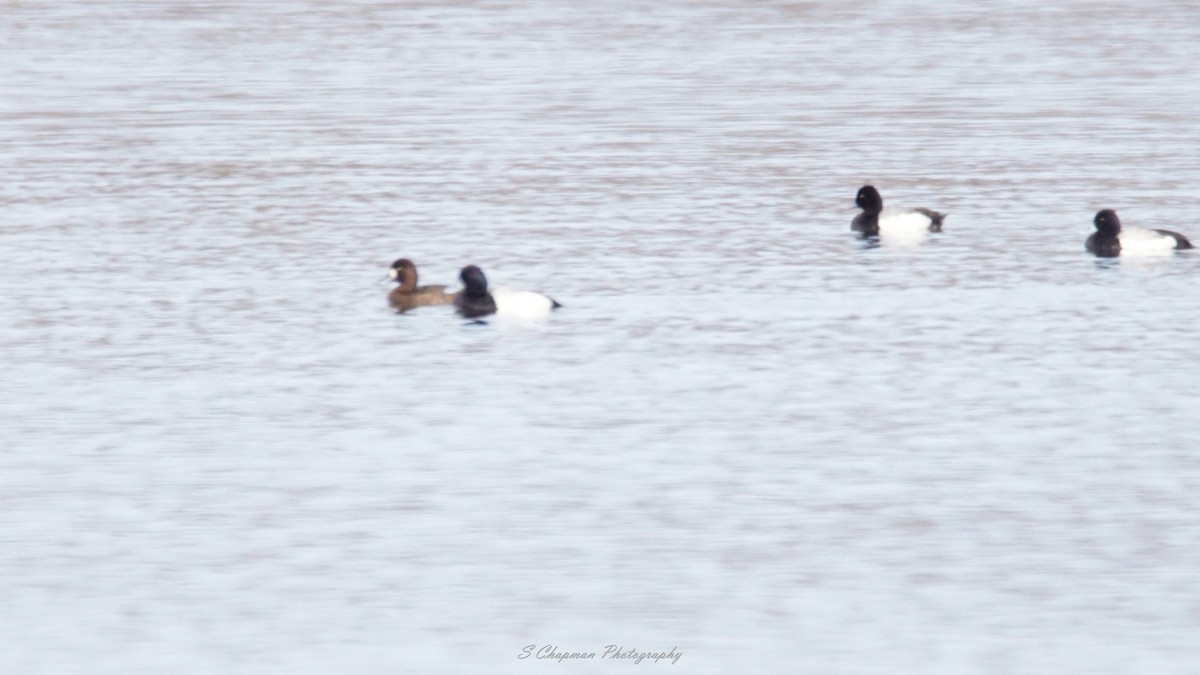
column 748, row 436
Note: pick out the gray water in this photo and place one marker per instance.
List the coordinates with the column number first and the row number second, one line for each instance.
column 747, row 436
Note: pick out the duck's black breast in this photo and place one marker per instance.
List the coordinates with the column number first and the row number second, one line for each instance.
column 475, row 306
column 866, row 223
column 1102, row 246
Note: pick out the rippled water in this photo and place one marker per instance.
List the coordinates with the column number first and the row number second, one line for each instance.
column 747, row 435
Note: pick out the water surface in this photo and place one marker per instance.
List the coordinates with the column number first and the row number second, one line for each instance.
column 747, row 435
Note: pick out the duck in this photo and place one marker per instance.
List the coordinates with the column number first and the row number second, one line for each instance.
column 875, row 219
column 408, row 294
column 1111, row 240
column 475, row 300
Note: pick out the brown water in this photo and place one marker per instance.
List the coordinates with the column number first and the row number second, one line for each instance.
column 747, row 435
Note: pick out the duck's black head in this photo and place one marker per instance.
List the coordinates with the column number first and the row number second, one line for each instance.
column 1107, row 223
column 868, row 199
column 473, row 281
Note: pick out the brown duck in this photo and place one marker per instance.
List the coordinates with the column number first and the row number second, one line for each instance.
column 408, row 294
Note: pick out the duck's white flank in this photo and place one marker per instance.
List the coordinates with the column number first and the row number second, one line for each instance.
column 903, row 221
column 1136, row 240
column 522, row 304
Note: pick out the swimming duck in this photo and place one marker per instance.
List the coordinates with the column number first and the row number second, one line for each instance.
column 408, row 294
column 475, row 300
column 1111, row 240
column 876, row 220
